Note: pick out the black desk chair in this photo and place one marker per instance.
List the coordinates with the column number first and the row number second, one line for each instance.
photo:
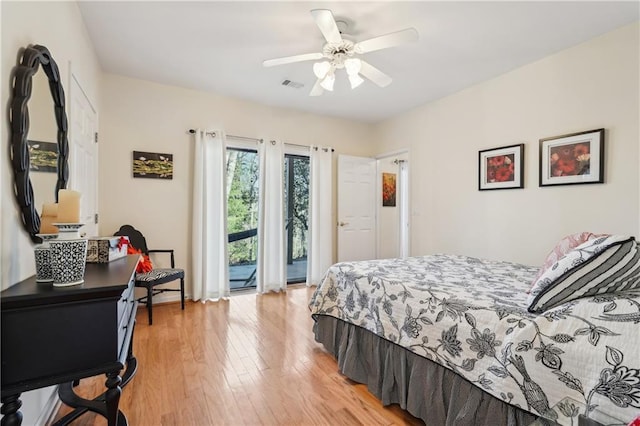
column 154, row 277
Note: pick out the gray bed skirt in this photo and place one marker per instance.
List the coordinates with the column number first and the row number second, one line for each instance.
column 422, row 387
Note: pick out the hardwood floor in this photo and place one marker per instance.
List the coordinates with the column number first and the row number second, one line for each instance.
column 250, row 360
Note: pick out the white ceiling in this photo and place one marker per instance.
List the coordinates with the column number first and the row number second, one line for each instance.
column 219, row 46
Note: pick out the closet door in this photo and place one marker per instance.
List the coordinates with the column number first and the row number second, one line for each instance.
column 356, row 208
column 83, row 159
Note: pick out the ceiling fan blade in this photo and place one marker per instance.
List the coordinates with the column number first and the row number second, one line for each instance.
column 291, row 59
column 374, row 74
column 327, row 24
column 386, row 41
column 317, row 89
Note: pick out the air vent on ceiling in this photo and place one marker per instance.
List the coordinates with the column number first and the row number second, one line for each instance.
column 292, row 84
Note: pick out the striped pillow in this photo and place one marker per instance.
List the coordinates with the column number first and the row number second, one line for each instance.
column 602, row 265
column 561, row 249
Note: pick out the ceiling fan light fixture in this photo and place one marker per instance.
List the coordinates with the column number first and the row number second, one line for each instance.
column 338, row 53
column 321, row 69
column 327, row 82
column 352, row 65
column 355, row 80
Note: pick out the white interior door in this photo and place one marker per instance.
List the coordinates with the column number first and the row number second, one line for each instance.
column 356, row 208
column 83, row 158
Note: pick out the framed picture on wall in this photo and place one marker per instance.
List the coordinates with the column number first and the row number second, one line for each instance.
column 501, row 168
column 152, row 165
column 43, row 156
column 572, row 159
column 388, row 189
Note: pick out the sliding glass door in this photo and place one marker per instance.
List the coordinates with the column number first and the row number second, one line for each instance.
column 242, row 216
column 296, row 181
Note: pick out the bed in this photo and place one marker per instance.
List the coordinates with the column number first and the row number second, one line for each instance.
column 451, row 339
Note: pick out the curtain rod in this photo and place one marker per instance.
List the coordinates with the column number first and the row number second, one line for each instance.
column 192, row 131
column 304, row 146
column 246, row 138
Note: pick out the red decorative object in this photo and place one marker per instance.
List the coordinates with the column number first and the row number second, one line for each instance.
column 123, row 241
column 636, row 421
column 144, row 265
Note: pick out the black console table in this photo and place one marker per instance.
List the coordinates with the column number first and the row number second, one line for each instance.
column 59, row 335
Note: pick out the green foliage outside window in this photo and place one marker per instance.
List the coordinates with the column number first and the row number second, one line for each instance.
column 242, row 203
column 299, row 219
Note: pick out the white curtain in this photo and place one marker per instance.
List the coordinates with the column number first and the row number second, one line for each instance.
column 271, row 275
column 320, row 234
column 209, row 233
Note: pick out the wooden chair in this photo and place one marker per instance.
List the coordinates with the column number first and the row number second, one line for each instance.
column 156, row 276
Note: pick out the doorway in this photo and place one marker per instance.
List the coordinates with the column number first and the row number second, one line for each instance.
column 296, row 183
column 393, row 205
column 83, row 150
column 373, row 207
column 242, row 217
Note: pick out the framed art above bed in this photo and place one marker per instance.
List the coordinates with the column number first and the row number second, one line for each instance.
column 501, row 168
column 572, row 159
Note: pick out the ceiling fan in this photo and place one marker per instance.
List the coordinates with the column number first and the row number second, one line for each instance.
column 341, row 53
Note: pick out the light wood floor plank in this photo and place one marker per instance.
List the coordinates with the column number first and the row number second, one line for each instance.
column 251, row 360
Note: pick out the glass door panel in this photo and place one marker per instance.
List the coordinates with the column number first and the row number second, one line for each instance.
column 242, row 217
column 296, row 216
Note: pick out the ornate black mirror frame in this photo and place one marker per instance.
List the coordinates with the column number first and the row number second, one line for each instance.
column 32, row 58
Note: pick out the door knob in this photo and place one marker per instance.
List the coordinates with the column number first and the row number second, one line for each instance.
column 343, row 223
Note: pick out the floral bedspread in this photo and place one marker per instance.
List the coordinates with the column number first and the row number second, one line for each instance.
column 470, row 315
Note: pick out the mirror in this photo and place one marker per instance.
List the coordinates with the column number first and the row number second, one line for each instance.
column 25, row 156
column 41, row 140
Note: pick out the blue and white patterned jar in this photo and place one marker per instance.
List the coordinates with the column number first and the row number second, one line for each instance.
column 68, row 260
column 42, row 254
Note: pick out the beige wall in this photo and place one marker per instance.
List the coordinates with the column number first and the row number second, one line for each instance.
column 59, row 27
column 589, row 86
column 144, row 116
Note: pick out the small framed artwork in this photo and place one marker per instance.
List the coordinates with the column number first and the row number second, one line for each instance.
column 43, row 156
column 572, row 159
column 501, row 168
column 152, row 165
column 388, row 189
